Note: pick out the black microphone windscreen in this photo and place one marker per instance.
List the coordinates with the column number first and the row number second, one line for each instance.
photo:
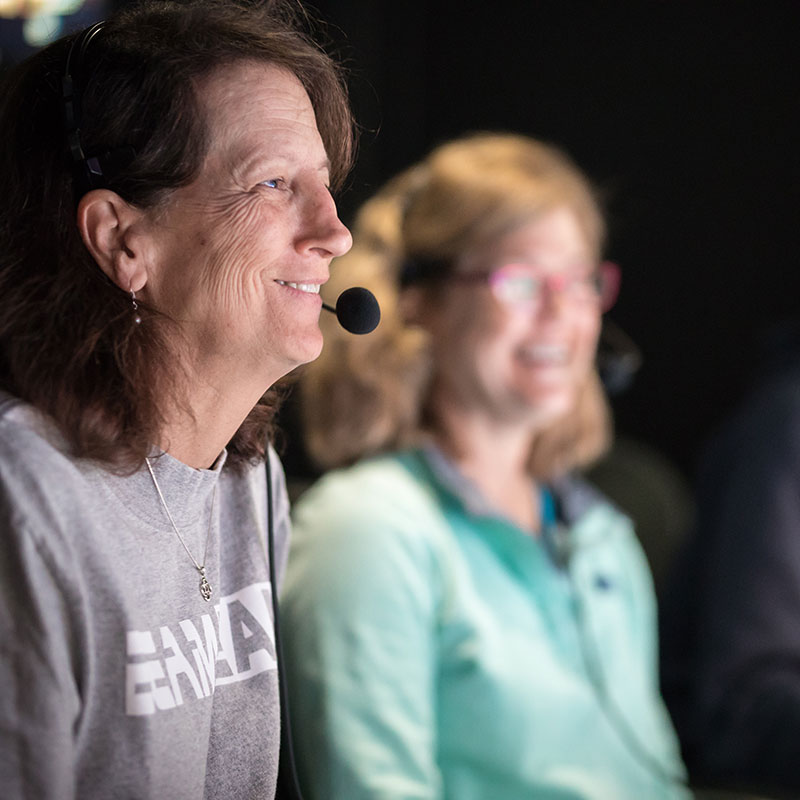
column 357, row 310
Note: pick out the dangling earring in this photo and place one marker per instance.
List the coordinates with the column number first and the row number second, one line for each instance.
column 136, row 317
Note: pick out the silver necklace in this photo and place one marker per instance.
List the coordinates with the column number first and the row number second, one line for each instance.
column 205, row 586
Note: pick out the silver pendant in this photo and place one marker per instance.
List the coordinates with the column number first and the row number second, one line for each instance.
column 205, row 586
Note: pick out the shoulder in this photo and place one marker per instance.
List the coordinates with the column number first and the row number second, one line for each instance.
column 370, row 533
column 381, row 509
column 42, row 491
column 23, row 428
column 35, row 467
column 755, row 452
column 387, row 490
column 767, row 420
column 581, row 504
column 601, row 534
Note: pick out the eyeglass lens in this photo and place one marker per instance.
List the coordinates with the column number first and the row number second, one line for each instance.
column 519, row 284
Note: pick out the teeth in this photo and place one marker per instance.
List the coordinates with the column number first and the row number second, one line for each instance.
column 311, row 288
column 546, row 353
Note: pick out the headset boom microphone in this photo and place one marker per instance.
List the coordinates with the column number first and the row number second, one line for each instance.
column 357, row 310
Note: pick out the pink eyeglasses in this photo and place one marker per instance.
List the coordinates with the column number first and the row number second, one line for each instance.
column 520, row 284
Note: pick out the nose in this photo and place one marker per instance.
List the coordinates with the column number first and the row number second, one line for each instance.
column 321, row 230
column 552, row 301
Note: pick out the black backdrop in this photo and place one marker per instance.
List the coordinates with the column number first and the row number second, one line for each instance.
column 683, row 113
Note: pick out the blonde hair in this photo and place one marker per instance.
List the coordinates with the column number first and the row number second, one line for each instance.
column 366, row 395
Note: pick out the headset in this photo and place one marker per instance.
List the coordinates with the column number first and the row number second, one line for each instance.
column 90, row 172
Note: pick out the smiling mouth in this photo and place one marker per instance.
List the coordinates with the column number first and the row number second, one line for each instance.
column 545, row 355
column 308, row 288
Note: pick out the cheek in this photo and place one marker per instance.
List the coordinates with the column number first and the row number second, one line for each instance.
column 588, row 330
column 484, row 351
column 501, row 333
column 236, row 258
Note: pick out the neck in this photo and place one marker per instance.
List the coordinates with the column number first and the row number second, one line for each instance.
column 198, row 429
column 494, row 456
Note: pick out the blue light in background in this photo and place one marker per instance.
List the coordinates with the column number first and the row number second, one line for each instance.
column 26, row 25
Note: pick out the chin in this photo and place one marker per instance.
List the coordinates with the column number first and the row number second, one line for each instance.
column 549, row 406
column 308, row 350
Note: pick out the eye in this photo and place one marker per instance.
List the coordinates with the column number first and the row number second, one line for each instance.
column 521, row 287
column 274, row 183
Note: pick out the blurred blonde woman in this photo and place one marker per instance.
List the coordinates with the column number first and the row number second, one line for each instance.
column 465, row 616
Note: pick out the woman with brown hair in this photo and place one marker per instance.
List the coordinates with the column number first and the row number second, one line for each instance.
column 165, row 225
column 466, row 617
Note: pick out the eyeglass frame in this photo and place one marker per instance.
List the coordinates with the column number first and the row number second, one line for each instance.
column 606, row 278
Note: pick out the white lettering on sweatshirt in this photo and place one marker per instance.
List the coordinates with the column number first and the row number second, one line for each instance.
column 189, row 660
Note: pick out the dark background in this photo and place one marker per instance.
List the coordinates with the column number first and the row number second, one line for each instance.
column 685, row 116
column 683, row 113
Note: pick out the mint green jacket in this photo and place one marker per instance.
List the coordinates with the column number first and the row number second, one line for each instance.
column 435, row 650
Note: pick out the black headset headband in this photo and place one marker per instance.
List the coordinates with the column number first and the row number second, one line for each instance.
column 90, row 172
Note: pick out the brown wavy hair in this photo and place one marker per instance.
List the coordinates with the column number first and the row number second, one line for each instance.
column 68, row 341
column 368, row 395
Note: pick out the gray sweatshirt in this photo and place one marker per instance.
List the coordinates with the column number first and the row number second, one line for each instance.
column 117, row 680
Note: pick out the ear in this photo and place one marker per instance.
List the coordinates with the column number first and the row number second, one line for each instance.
column 111, row 230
